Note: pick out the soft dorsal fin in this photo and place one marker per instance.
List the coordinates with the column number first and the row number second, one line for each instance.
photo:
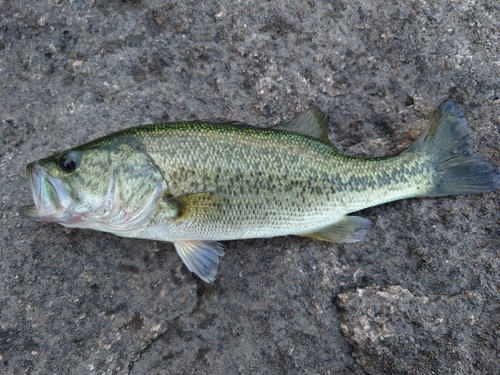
column 312, row 123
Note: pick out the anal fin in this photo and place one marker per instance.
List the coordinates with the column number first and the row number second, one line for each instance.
column 348, row 229
column 200, row 257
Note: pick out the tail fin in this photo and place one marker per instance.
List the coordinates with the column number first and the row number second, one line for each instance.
column 459, row 171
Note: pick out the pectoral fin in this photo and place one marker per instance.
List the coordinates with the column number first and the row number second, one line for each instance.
column 202, row 205
column 200, row 257
column 348, row 229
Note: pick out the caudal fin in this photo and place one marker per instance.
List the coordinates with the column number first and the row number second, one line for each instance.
column 459, row 171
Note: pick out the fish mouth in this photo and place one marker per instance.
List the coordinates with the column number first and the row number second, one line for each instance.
column 49, row 194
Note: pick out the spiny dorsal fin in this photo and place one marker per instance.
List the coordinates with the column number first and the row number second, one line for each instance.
column 348, row 229
column 313, row 123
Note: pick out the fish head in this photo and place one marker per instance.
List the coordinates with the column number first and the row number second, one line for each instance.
column 112, row 186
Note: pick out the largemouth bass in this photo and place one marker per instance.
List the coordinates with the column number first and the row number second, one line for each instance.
column 195, row 183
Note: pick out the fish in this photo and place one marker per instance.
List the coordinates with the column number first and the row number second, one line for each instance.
column 196, row 183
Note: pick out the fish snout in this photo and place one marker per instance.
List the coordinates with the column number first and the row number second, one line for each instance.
column 44, row 194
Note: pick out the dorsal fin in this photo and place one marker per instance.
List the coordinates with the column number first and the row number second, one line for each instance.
column 312, row 123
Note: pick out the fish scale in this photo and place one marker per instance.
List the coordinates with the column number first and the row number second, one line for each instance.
column 302, row 181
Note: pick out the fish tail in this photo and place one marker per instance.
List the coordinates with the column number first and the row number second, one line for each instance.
column 448, row 140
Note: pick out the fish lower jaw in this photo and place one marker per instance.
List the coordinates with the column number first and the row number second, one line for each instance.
column 45, row 215
column 28, row 211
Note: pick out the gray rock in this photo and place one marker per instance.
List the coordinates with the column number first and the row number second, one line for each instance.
column 395, row 332
column 83, row 302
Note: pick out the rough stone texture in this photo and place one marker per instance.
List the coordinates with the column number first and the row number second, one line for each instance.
column 394, row 331
column 419, row 295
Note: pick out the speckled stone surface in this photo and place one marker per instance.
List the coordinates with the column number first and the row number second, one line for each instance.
column 419, row 295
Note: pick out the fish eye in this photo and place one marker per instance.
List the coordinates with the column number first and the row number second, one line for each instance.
column 68, row 161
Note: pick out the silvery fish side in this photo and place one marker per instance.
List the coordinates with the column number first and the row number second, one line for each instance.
column 196, row 183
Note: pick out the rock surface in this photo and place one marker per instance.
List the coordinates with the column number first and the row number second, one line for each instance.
column 419, row 295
